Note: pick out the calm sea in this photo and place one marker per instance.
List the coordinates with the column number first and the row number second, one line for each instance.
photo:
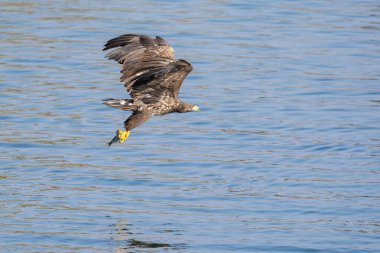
column 283, row 157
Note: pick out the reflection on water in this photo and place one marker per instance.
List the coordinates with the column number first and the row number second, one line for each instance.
column 283, row 157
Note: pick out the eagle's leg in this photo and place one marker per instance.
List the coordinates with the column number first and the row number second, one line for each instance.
column 136, row 119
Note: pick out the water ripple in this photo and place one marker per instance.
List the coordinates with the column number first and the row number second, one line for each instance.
column 283, row 156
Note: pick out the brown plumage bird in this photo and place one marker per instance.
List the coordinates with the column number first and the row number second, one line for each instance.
column 152, row 77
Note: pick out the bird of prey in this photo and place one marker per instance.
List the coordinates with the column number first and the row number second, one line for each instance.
column 151, row 76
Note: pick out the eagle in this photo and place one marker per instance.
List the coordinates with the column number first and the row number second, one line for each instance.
column 152, row 77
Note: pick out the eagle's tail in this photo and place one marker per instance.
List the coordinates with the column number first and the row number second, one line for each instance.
column 123, row 104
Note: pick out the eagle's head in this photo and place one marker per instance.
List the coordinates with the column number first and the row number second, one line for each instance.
column 188, row 107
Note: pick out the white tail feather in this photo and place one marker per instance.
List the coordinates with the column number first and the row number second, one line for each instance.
column 123, row 104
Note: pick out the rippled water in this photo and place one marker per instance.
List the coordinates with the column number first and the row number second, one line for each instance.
column 283, row 157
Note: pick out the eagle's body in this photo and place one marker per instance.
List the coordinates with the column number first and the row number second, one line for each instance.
column 152, row 77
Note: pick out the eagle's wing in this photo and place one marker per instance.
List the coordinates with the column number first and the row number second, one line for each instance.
column 149, row 70
column 162, row 79
column 137, row 48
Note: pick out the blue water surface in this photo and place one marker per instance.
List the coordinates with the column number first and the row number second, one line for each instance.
column 283, row 157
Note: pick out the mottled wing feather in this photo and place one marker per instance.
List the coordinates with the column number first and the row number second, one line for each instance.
column 133, row 47
column 137, row 68
column 149, row 70
column 154, row 83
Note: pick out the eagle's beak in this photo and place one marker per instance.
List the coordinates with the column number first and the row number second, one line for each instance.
column 196, row 108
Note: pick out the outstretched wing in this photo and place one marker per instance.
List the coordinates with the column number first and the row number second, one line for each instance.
column 149, row 70
column 165, row 79
column 133, row 48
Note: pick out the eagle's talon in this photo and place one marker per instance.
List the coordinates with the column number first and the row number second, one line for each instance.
column 123, row 135
column 120, row 137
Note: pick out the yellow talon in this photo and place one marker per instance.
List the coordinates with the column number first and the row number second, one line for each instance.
column 120, row 136
column 123, row 135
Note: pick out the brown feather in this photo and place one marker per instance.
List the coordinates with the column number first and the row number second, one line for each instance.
column 150, row 74
column 136, row 119
column 148, row 65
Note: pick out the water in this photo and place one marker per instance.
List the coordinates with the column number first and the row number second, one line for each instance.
column 283, row 157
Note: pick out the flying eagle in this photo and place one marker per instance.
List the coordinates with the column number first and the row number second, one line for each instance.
column 151, row 76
